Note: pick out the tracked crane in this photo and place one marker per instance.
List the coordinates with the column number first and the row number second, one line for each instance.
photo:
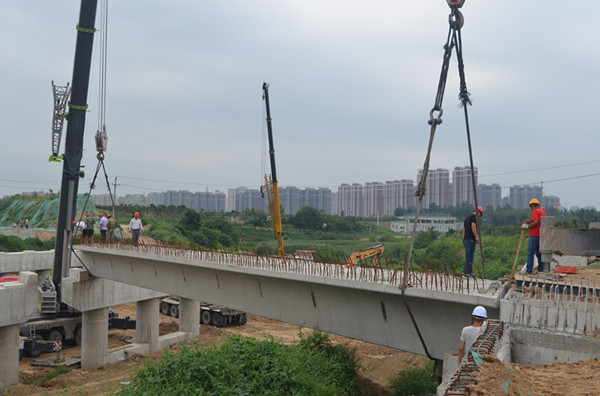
column 271, row 180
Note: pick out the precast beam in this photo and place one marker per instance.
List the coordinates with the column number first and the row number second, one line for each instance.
column 371, row 312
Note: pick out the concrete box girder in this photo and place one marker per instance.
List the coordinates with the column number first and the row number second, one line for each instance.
column 367, row 311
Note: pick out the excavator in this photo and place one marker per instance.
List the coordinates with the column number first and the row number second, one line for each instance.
column 374, row 251
column 270, row 187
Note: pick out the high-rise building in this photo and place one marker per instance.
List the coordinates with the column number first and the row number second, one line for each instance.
column 397, row 194
column 520, row 196
column 373, row 199
column 489, row 195
column 350, row 199
column 437, row 187
column 462, row 185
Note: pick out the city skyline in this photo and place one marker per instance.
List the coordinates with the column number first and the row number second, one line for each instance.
column 369, row 199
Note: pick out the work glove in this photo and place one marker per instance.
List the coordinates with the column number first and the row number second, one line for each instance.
column 525, row 226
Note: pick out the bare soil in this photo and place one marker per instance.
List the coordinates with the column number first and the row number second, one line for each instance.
column 379, row 363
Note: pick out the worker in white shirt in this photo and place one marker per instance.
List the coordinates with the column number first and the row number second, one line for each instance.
column 135, row 228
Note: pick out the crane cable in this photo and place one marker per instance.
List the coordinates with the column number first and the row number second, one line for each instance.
column 453, row 40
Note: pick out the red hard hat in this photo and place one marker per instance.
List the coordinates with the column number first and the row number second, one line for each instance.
column 479, row 209
column 108, row 215
column 74, row 222
column 136, row 214
column 99, row 214
column 88, row 214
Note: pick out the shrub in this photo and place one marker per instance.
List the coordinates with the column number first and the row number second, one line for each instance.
column 414, row 381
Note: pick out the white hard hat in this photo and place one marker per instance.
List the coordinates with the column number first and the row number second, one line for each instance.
column 480, row 312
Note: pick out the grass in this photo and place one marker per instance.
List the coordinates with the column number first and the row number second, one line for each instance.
column 48, row 376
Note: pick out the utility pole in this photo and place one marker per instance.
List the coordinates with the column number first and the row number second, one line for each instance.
column 74, row 139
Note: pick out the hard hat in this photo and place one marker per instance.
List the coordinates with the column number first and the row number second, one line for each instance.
column 480, row 312
column 136, row 214
column 108, row 215
column 480, row 209
column 534, row 201
column 99, row 214
column 88, row 214
column 74, row 222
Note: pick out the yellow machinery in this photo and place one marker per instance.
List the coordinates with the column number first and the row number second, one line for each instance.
column 374, row 251
column 271, row 181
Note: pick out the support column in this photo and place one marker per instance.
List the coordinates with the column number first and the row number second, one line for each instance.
column 94, row 338
column 9, row 350
column 146, row 323
column 189, row 316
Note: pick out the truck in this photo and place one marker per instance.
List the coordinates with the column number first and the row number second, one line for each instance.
column 210, row 314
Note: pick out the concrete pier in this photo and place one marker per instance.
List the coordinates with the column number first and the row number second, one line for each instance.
column 18, row 302
column 9, row 350
column 94, row 337
column 189, row 317
column 146, row 323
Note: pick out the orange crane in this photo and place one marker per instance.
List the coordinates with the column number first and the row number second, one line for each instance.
column 271, row 180
column 373, row 251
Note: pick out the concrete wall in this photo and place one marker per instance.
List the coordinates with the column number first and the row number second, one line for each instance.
column 538, row 347
column 567, row 241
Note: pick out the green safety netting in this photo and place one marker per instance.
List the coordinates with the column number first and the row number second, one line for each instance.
column 42, row 212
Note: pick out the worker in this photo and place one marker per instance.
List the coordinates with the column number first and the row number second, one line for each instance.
column 111, row 226
column 470, row 239
column 22, row 339
column 78, row 228
column 469, row 334
column 103, row 228
column 88, row 232
column 135, row 228
column 533, row 225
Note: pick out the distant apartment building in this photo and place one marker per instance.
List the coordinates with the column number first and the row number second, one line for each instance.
column 374, row 199
column 397, row 194
column 350, row 199
column 209, row 201
column 425, row 223
column 520, row 196
column 437, row 187
column 550, row 201
column 489, row 195
column 462, row 185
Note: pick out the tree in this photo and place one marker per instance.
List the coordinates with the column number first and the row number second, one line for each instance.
column 308, row 218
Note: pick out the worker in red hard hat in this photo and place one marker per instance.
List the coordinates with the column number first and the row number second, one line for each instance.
column 470, row 239
column 533, row 225
column 469, row 334
column 135, row 228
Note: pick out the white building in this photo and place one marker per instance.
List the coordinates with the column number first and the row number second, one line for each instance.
column 437, row 223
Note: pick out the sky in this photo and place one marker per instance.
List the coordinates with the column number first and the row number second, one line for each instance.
column 351, row 87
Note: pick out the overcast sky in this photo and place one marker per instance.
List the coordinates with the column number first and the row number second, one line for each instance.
column 351, row 87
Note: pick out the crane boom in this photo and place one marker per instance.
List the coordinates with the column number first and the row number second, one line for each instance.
column 271, row 181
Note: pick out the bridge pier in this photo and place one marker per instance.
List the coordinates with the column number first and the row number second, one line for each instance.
column 9, row 349
column 19, row 302
column 189, row 317
column 146, row 323
column 94, row 338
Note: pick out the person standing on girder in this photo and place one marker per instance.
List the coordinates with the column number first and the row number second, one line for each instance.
column 103, row 222
column 135, row 228
column 470, row 239
column 533, row 225
column 469, row 334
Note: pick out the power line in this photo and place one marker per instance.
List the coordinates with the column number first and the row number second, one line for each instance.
column 541, row 169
